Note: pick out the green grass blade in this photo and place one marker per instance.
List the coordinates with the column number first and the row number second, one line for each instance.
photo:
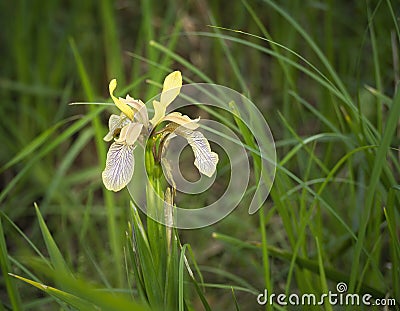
column 113, row 227
column 94, row 298
column 79, row 145
column 313, row 46
column 111, row 41
column 182, row 269
column 380, row 159
column 181, row 60
column 305, row 263
column 390, row 215
column 324, row 287
column 67, row 133
column 12, row 291
column 32, row 146
column 56, row 258
column 71, row 300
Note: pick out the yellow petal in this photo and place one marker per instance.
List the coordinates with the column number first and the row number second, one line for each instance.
column 171, row 88
column 119, row 166
column 121, row 106
column 159, row 112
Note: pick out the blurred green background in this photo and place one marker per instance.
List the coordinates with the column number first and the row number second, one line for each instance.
column 57, row 52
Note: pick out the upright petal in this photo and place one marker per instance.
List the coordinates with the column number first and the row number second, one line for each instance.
column 171, row 88
column 121, row 105
column 119, row 166
column 205, row 160
column 159, row 112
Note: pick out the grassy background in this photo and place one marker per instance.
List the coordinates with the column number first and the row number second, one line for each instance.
column 324, row 74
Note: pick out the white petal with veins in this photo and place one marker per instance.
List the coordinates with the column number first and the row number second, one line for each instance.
column 119, row 166
column 205, row 160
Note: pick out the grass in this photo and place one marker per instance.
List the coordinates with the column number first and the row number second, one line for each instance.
column 323, row 74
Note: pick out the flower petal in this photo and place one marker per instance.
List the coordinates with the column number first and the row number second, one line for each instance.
column 130, row 133
column 171, row 88
column 121, row 105
column 159, row 112
column 205, row 160
column 140, row 109
column 114, row 123
column 119, row 166
column 183, row 120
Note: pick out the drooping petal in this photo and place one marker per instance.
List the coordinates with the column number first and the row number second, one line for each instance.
column 114, row 123
column 171, row 87
column 139, row 107
column 119, row 166
column 183, row 120
column 121, row 105
column 159, row 112
column 205, row 160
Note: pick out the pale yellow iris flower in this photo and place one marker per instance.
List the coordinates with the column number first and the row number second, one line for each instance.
column 133, row 124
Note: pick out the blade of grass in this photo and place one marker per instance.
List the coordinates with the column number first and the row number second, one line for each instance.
column 390, row 216
column 113, row 231
column 56, row 258
column 66, row 163
column 378, row 78
column 380, row 159
column 312, row 265
column 324, row 287
column 35, row 144
column 71, row 300
column 91, row 296
column 181, row 60
column 71, row 130
column 12, row 291
column 181, row 297
column 111, row 41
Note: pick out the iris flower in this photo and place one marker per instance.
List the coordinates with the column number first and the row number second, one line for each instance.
column 133, row 125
